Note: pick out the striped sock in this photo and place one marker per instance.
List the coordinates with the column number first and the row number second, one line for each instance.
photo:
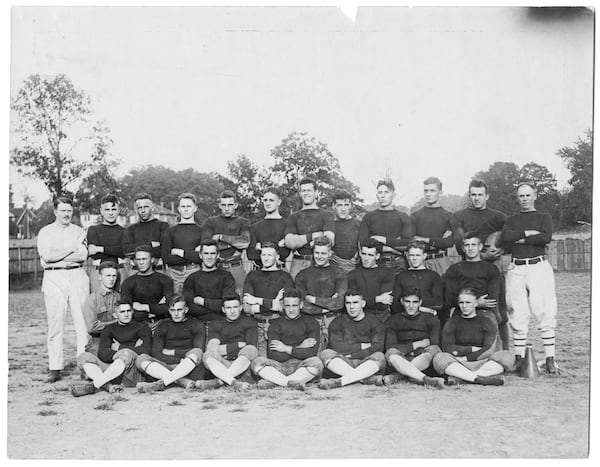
column 520, row 343
column 549, row 341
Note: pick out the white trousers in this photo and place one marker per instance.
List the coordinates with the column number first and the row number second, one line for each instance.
column 530, row 290
column 64, row 288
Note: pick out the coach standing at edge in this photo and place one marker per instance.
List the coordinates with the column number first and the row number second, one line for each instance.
column 62, row 250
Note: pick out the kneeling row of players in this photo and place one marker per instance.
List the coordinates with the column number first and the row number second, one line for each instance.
column 297, row 353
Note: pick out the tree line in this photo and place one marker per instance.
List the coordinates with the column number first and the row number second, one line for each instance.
column 57, row 142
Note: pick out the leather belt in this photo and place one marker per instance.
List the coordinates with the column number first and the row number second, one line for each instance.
column 63, row 267
column 522, row 261
column 231, row 263
column 302, row 256
column 119, row 266
column 436, row 255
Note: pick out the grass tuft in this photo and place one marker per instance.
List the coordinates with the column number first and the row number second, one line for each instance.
column 209, row 406
column 46, row 413
column 239, row 409
column 175, row 403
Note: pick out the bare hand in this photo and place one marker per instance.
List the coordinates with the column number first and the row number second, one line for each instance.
column 139, row 342
column 154, row 244
column 170, row 352
column 278, row 346
column 423, row 239
column 251, row 299
column 365, row 345
column 177, row 252
column 307, row 343
column 491, row 254
column 485, row 302
column 115, row 345
column 310, row 299
column 385, row 298
column 379, row 238
column 447, row 233
column 93, row 249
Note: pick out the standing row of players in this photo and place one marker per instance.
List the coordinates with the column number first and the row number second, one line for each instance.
column 323, row 264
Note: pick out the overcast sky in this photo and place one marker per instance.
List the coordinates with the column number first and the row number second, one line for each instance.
column 427, row 91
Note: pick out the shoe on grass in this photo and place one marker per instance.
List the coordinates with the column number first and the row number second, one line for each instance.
column 149, row 388
column 375, row 380
column 54, row 376
column 263, row 384
column 113, row 388
column 454, row 381
column 432, row 382
column 240, row 385
column 205, row 384
column 330, row 383
column 389, row 380
column 550, row 366
column 83, row 389
column 298, row 386
column 489, row 380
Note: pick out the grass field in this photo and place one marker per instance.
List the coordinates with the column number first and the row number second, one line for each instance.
column 547, row 417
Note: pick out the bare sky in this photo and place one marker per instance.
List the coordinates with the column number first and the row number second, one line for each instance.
column 427, row 91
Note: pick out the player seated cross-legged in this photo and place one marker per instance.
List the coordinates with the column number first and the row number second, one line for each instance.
column 177, row 345
column 231, row 347
column 411, row 341
column 471, row 346
column 355, row 350
column 293, row 343
column 120, row 343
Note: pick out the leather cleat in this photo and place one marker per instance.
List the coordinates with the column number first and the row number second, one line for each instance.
column 330, row 383
column 550, row 366
column 375, row 380
column 83, row 389
column 54, row 376
column 432, row 382
column 149, row 388
column 389, row 380
column 489, row 380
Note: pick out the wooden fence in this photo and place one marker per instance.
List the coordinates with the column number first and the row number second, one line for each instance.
column 565, row 255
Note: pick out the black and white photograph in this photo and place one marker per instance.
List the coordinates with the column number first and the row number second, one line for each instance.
column 299, row 232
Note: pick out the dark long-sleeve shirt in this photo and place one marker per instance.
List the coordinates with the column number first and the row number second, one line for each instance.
column 267, row 230
column 144, row 233
column 346, row 237
column 346, row 335
column 481, row 221
column 535, row 245
column 401, row 330
column 461, row 334
column 181, row 337
column 148, row 290
column 482, row 276
column 266, row 285
column 292, row 332
column 322, row 283
column 309, row 221
column 234, row 229
column 108, row 236
column 395, row 226
column 230, row 333
column 186, row 237
column 433, row 223
column 127, row 336
column 370, row 283
column 427, row 281
column 212, row 286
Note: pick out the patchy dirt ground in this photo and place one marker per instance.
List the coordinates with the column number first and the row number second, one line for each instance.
column 543, row 418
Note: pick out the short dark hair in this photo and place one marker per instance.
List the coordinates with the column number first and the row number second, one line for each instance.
column 176, row 299
column 187, row 195
column 372, row 243
column 109, row 198
column 322, row 241
column 144, row 248
column 292, row 293
column 471, row 234
column 387, row 183
column 120, row 302
column 270, row 245
column 106, row 265
column 478, row 183
column 467, row 291
column 420, row 244
column 353, row 293
column 230, row 297
column 309, row 181
column 64, row 199
column 433, row 181
column 341, row 195
column 410, row 291
column 273, row 189
column 209, row 242
column 527, row 183
column 142, row 195
column 227, row 194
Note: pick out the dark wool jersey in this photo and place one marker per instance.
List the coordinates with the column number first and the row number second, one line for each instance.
column 370, row 283
column 322, row 283
column 292, row 332
column 433, row 223
column 401, row 330
column 266, row 285
column 230, row 333
column 233, row 229
column 212, row 286
column 148, row 290
column 394, row 225
column 346, row 335
column 481, row 221
column 126, row 335
column 186, row 237
column 181, row 337
column 144, row 233
column 460, row 334
column 482, row 276
column 346, row 238
column 108, row 236
column 267, row 230
column 309, row 221
column 427, row 281
column 535, row 245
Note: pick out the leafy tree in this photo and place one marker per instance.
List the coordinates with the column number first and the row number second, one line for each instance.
column 577, row 202
column 51, row 117
column 502, row 179
column 248, row 181
column 545, row 183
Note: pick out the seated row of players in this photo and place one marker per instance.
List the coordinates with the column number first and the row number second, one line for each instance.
column 182, row 352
